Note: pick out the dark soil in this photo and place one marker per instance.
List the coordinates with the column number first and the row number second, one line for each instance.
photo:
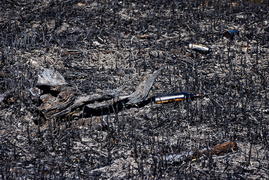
column 103, row 45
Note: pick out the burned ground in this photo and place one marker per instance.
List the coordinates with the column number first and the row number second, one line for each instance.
column 104, row 45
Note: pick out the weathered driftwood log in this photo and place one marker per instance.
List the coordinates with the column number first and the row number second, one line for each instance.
column 191, row 155
column 58, row 99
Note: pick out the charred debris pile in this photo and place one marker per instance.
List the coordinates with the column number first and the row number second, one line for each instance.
column 92, row 90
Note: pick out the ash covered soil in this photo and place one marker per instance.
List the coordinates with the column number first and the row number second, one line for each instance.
column 104, row 45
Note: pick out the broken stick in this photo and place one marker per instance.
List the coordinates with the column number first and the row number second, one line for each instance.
column 191, row 155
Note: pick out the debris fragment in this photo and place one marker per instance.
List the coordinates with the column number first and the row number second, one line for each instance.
column 81, row 4
column 166, row 98
column 266, row 111
column 230, row 34
column 199, row 48
column 50, row 77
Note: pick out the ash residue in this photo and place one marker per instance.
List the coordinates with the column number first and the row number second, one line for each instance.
column 104, row 45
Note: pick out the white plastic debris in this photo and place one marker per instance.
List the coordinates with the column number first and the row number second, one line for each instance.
column 199, row 48
column 50, row 77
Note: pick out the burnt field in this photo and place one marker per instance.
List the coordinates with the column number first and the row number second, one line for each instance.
column 99, row 47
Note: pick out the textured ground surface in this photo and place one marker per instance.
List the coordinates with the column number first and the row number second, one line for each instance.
column 111, row 43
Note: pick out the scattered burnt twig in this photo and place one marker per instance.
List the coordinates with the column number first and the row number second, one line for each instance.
column 6, row 95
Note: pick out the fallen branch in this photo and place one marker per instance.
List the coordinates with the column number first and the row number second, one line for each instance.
column 59, row 100
column 192, row 155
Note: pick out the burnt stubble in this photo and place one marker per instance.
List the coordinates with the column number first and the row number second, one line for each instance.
column 106, row 44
